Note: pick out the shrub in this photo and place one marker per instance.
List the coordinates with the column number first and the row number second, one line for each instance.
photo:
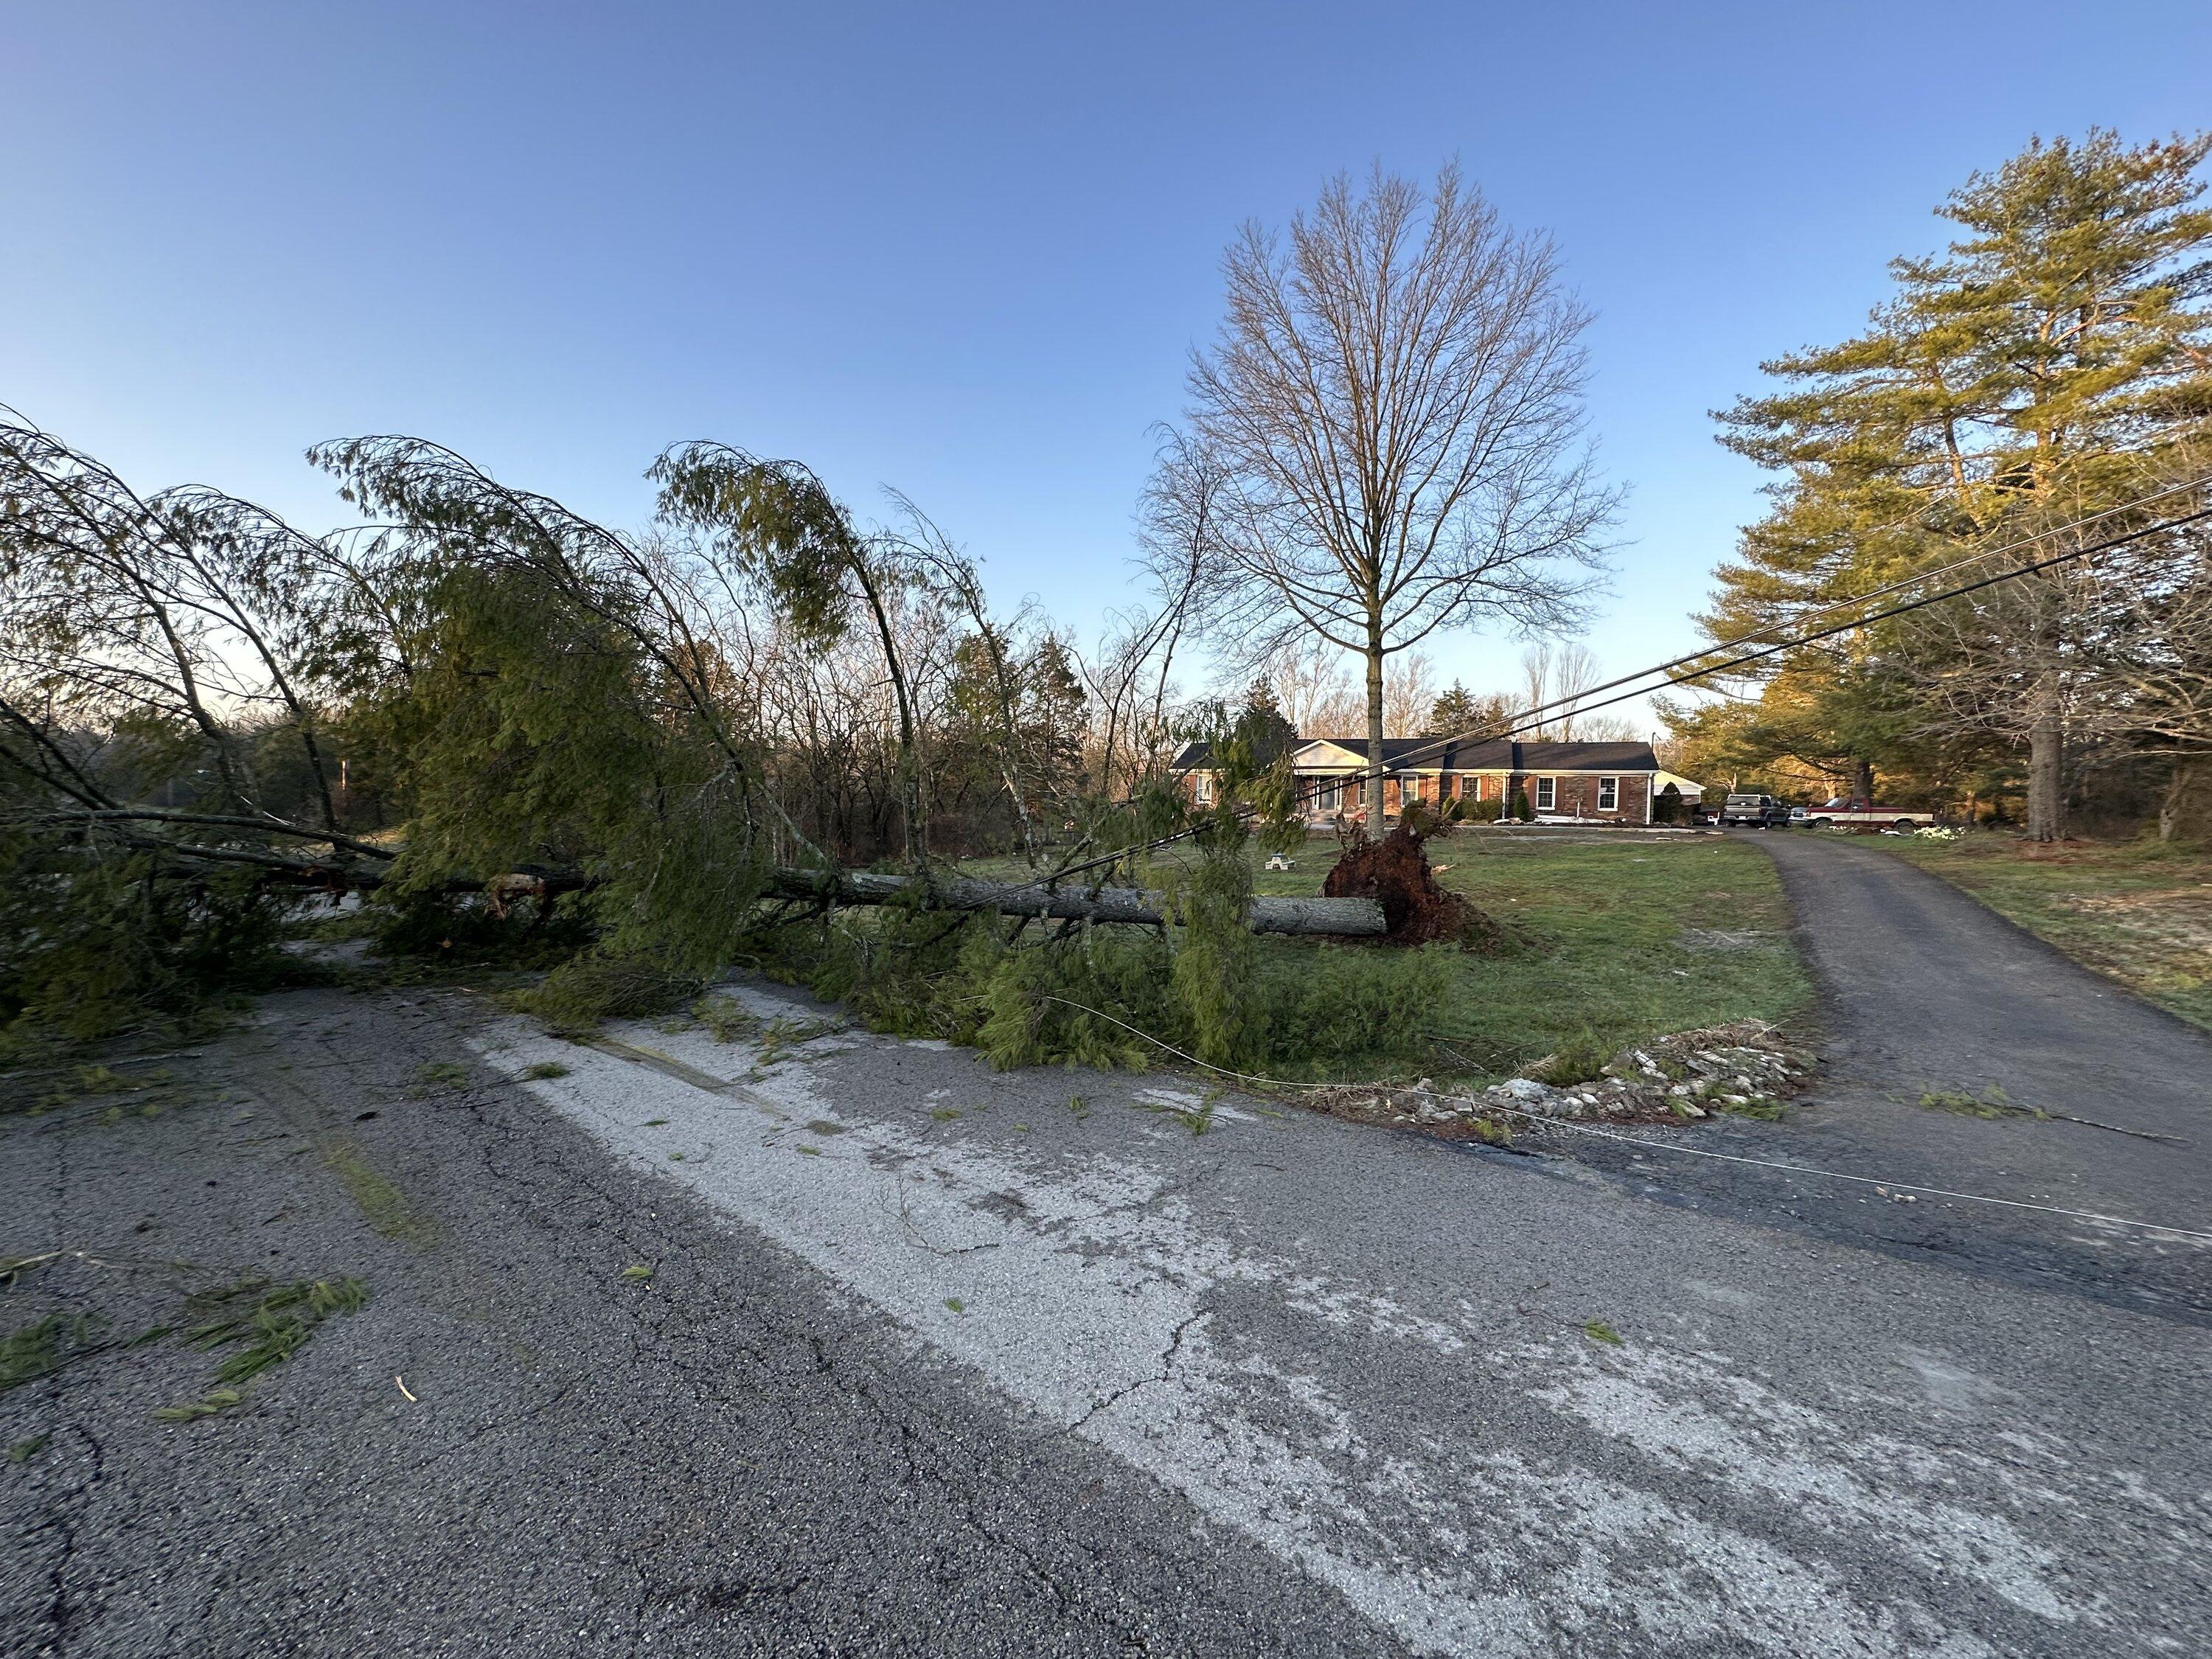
column 1578, row 1060
column 1521, row 810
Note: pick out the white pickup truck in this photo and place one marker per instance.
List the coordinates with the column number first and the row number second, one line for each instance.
column 1843, row 813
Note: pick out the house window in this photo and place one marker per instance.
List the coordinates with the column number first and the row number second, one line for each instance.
column 1201, row 788
column 1608, row 794
column 1411, row 789
column 1547, row 794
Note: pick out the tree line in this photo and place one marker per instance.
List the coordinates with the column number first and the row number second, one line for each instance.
column 2041, row 385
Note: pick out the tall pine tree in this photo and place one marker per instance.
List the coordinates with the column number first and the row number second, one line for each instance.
column 2039, row 370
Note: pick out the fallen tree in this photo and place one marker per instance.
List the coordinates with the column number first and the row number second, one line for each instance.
column 524, row 734
column 1360, row 917
column 1343, row 918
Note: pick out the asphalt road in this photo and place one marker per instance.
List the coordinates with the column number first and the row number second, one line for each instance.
column 935, row 1359
column 1924, row 991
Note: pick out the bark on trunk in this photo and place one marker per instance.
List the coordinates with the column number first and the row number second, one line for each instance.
column 1862, row 780
column 2185, row 810
column 1375, row 733
column 2046, row 780
column 1353, row 918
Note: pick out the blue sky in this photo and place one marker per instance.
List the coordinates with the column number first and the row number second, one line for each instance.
column 960, row 250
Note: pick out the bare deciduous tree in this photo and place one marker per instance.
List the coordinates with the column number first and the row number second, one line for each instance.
column 1387, row 438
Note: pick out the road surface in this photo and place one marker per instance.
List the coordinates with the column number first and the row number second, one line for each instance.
column 935, row 1359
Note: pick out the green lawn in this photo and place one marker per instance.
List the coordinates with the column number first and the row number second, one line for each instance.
column 2136, row 912
column 1598, row 945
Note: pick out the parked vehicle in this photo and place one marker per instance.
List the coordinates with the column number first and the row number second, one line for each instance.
column 1760, row 811
column 1857, row 812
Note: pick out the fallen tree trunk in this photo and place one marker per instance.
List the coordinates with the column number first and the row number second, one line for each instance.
column 1340, row 918
column 1344, row 918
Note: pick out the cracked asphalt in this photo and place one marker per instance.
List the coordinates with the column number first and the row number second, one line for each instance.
column 933, row 1358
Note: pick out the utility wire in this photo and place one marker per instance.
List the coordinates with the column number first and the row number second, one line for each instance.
column 1681, row 671
column 1539, row 1118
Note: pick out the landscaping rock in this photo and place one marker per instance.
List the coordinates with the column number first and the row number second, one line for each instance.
column 1746, row 1069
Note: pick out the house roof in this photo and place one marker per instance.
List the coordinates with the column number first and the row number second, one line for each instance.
column 1493, row 755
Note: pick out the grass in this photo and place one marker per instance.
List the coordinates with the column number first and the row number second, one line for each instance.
column 1600, row 961
column 544, row 1069
column 1594, row 957
column 2138, row 912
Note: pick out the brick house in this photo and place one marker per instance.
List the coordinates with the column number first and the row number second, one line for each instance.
column 1600, row 782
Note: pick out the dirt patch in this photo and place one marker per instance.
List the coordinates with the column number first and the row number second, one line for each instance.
column 1726, row 938
column 2177, row 916
column 1394, row 872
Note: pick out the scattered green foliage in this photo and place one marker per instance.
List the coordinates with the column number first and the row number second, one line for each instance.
column 441, row 1074
column 956, row 1304
column 726, row 1019
column 39, row 1349
column 214, row 1401
column 1599, row 1331
column 1992, row 1103
column 23, row 1452
column 384, row 1205
column 545, row 1070
column 1760, row 1108
column 783, row 1034
column 583, row 993
column 638, row 1272
column 276, row 1325
column 1197, row 1118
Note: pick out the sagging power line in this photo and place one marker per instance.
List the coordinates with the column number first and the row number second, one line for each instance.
column 1684, row 670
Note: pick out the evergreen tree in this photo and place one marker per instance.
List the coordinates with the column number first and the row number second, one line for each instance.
column 2037, row 371
column 1262, row 724
column 1454, row 712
